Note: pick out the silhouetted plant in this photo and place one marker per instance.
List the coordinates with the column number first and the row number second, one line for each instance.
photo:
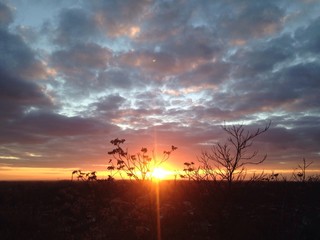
column 113, row 170
column 73, row 173
column 137, row 166
column 314, row 178
column 194, row 173
column 229, row 159
column 188, row 170
column 89, row 176
column 208, row 171
column 301, row 175
column 79, row 173
column 265, row 177
column 257, row 177
column 274, row 176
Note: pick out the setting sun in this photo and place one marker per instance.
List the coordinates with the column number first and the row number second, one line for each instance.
column 160, row 173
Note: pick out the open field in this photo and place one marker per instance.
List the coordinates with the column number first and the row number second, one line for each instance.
column 188, row 210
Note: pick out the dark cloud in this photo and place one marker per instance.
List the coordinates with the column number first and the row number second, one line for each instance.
column 139, row 111
column 116, row 19
column 76, row 25
column 81, row 65
column 150, row 100
column 18, row 58
column 116, row 78
column 309, row 37
column 164, row 20
column 301, row 141
column 194, row 44
column 81, row 57
column 49, row 124
column 22, row 92
column 12, row 137
column 152, row 62
column 302, row 80
column 28, row 34
column 110, row 103
column 6, row 16
column 207, row 74
column 304, row 76
column 108, row 107
column 41, row 126
column 263, row 57
column 291, row 89
column 19, row 97
column 243, row 20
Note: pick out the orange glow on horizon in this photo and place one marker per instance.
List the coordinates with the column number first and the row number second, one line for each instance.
column 34, row 174
column 163, row 172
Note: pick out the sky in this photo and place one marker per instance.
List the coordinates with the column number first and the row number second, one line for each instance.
column 76, row 74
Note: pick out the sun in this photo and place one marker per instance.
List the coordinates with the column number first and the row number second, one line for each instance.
column 159, row 173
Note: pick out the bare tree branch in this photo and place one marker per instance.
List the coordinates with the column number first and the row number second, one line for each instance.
column 231, row 157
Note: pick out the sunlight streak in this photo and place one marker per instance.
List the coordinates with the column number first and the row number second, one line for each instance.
column 158, row 211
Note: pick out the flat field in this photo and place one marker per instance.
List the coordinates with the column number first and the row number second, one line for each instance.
column 168, row 210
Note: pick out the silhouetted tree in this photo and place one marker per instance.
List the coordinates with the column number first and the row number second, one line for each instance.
column 229, row 159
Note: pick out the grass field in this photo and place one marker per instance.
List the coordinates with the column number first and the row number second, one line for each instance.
column 186, row 210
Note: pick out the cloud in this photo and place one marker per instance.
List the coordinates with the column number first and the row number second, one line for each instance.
column 18, row 58
column 81, row 67
column 80, row 58
column 243, row 20
column 309, row 37
column 116, row 19
column 75, row 26
column 208, row 74
column 6, row 16
column 165, row 19
column 194, row 43
column 150, row 62
column 18, row 96
column 117, row 78
column 54, row 136
column 28, row 34
column 50, row 124
column 300, row 141
column 292, row 90
column 263, row 57
column 20, row 72
column 108, row 107
column 302, row 81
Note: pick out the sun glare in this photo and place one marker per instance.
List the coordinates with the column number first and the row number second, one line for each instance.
column 160, row 173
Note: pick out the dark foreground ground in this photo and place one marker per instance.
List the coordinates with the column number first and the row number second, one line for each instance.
column 188, row 210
